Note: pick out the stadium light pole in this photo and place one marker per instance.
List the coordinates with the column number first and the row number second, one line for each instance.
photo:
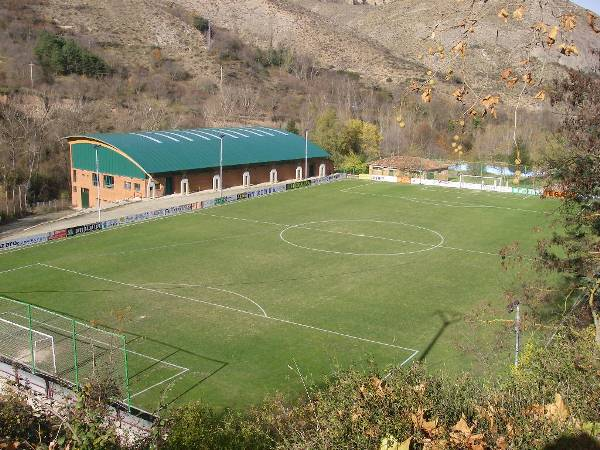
column 306, row 155
column 221, row 136
column 97, row 181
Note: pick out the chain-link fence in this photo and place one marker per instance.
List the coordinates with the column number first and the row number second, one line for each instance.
column 497, row 173
column 61, row 347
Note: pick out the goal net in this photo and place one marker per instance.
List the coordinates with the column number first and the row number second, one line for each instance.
column 27, row 346
column 482, row 180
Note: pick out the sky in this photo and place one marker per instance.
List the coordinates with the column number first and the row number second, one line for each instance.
column 593, row 5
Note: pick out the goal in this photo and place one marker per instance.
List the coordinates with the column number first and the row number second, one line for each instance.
column 27, row 346
column 483, row 181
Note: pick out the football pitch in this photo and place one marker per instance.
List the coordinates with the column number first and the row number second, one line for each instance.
column 235, row 303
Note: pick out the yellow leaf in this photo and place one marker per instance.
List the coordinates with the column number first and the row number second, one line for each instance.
column 503, row 14
column 552, row 34
column 568, row 21
column 540, row 95
column 426, row 95
column 506, row 73
column 490, row 102
column 518, row 13
column 460, row 48
column 390, row 443
column 528, row 78
column 569, row 49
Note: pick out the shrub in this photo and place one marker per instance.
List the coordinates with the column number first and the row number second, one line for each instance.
column 201, row 24
column 61, row 56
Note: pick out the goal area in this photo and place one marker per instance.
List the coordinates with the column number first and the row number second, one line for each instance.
column 64, row 348
column 482, row 180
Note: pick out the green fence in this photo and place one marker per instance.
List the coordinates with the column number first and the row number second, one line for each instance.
column 64, row 348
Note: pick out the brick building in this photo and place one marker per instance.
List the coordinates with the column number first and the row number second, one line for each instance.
column 409, row 166
column 149, row 164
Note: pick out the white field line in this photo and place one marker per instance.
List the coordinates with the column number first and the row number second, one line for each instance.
column 17, row 268
column 241, row 311
column 177, row 375
column 445, row 203
column 215, row 289
column 194, row 211
column 182, row 370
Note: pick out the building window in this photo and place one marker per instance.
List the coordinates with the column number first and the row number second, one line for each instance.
column 74, row 188
column 109, row 181
column 95, row 179
column 298, row 173
column 74, row 176
column 137, row 187
column 246, row 179
column 273, row 176
column 216, row 183
column 127, row 185
column 322, row 170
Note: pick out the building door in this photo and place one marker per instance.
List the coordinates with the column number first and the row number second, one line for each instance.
column 85, row 198
column 168, row 185
column 311, row 171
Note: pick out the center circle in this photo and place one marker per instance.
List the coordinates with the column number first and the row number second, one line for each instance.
column 314, row 226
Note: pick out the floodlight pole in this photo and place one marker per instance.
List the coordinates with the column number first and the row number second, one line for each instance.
column 97, row 182
column 221, row 166
column 306, row 155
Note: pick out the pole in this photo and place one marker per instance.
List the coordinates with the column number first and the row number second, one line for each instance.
column 74, row 338
column 126, row 362
column 209, row 35
column 306, row 156
column 31, row 73
column 221, row 169
column 98, row 183
column 31, row 339
column 517, row 333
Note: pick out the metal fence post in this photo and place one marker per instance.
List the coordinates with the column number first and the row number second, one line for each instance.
column 127, row 390
column 74, row 338
column 31, row 350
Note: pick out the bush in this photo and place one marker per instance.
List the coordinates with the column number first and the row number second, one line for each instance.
column 201, row 24
column 274, row 56
column 61, row 56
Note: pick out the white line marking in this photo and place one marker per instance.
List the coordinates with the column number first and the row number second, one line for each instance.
column 166, row 136
column 227, row 134
column 241, row 311
column 158, row 384
column 17, row 268
column 302, row 225
column 147, row 137
column 215, row 289
column 263, row 131
column 247, row 130
column 238, row 133
column 209, row 134
column 445, row 203
column 196, row 134
column 179, row 135
column 273, row 130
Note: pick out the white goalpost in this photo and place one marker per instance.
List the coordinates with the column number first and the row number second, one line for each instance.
column 482, row 181
column 28, row 346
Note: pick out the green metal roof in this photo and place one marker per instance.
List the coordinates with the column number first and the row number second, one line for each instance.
column 177, row 150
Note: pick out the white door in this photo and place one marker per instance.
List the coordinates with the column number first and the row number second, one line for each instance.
column 273, row 176
column 216, row 183
column 246, row 179
column 322, row 170
column 298, row 173
column 185, row 186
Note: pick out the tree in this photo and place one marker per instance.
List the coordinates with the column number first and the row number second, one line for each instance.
column 327, row 132
column 292, row 127
column 575, row 171
column 361, row 137
column 201, row 24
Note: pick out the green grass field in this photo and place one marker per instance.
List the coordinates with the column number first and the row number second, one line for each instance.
column 231, row 303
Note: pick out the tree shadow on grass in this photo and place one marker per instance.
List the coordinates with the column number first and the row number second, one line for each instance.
column 448, row 318
column 579, row 442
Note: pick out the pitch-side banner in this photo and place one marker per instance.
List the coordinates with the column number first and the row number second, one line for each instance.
column 163, row 212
